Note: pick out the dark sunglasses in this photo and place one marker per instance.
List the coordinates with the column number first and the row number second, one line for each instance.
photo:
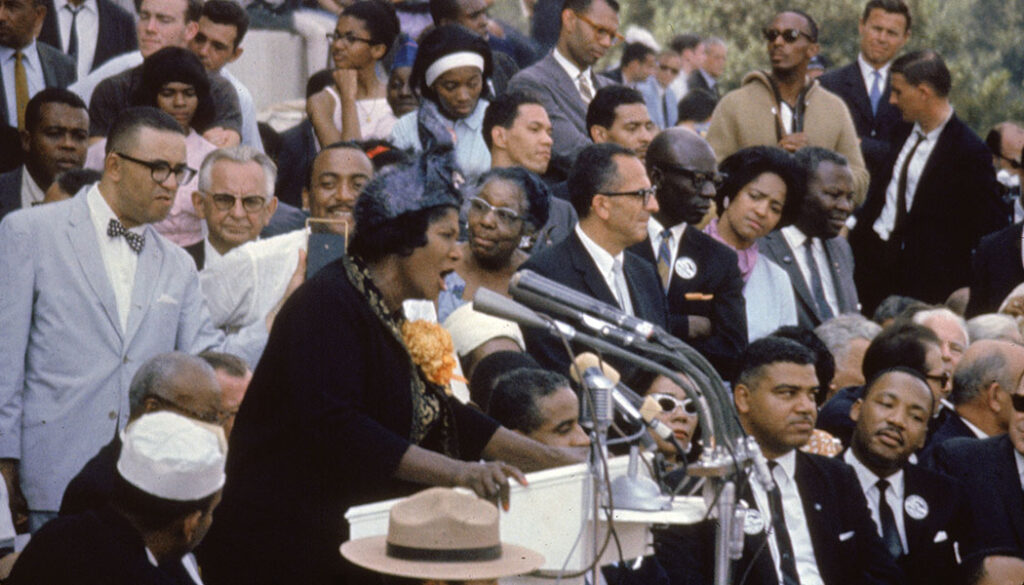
column 668, row 403
column 790, row 35
column 1018, row 402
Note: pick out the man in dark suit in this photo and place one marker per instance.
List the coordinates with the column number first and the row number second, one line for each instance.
column 564, row 80
column 637, row 64
column 919, row 513
column 88, row 31
column 43, row 66
column 707, row 75
column 864, row 85
column 819, row 262
column 811, row 524
column 940, row 196
column 54, row 140
column 700, row 275
column 610, row 191
column 996, row 269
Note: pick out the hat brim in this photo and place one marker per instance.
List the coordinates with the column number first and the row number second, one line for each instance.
column 369, row 553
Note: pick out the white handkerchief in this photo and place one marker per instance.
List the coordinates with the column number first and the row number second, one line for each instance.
column 941, row 536
column 843, row 537
column 166, row 298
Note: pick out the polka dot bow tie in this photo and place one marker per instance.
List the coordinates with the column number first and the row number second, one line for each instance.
column 135, row 241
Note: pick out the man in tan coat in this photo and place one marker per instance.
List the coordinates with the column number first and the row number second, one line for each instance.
column 785, row 107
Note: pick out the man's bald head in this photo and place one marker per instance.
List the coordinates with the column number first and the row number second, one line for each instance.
column 682, row 165
column 998, row 570
column 177, row 382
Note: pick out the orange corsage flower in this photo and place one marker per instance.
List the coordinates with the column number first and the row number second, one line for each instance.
column 431, row 348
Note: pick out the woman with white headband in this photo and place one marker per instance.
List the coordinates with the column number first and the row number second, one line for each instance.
column 450, row 73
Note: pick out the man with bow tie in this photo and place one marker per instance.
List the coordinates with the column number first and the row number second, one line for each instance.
column 88, row 292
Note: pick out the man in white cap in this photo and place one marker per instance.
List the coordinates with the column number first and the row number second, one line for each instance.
column 439, row 537
column 169, row 479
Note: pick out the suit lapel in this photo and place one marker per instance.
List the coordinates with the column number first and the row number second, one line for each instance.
column 1009, row 486
column 855, row 84
column 842, row 294
column 815, row 497
column 786, row 258
column 49, row 71
column 565, row 85
column 917, row 529
column 589, row 274
column 938, row 159
column 82, row 238
column 146, row 275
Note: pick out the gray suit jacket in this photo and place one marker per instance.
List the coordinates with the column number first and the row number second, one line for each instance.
column 58, row 71
column 65, row 361
column 561, row 98
column 840, row 257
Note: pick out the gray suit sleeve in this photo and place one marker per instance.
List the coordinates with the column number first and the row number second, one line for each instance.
column 568, row 137
column 17, row 281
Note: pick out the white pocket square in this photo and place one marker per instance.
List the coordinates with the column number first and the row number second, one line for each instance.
column 941, row 536
column 846, row 536
column 166, row 298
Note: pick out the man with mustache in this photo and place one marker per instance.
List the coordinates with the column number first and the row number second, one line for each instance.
column 818, row 261
column 919, row 513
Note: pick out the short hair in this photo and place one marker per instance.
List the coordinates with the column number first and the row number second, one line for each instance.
column 635, row 52
column 811, row 23
column 176, row 64
column 893, row 306
column 921, row 316
column 890, row 6
column 873, row 381
column 810, row 157
column 71, row 181
column 228, row 363
column 151, row 513
column 838, row 332
column 991, row 326
column 901, row 344
column 503, row 111
column 592, row 173
column 240, row 154
column 155, row 376
column 340, row 144
column 971, row 377
column 714, row 41
column 684, row 42
column 824, row 361
column 490, row 368
column 536, row 192
column 924, row 67
column 442, row 11
column 129, row 122
column 584, row 5
column 228, row 12
column 193, row 9
column 767, row 351
column 697, row 105
column 49, row 95
column 379, row 18
column 747, row 164
column 515, row 394
column 601, row 111
column 441, row 42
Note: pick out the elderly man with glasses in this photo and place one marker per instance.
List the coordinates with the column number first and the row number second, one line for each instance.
column 235, row 197
column 784, row 107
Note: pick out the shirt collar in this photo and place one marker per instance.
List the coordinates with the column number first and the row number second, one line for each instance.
column 1020, row 466
column 974, row 429
column 866, row 68
column 788, row 464
column 605, row 261
column 209, row 252
column 794, row 237
column 573, row 71
column 31, row 55
column 101, row 212
column 475, row 121
column 934, row 134
column 29, row 185
column 868, row 479
column 87, row 6
column 654, row 229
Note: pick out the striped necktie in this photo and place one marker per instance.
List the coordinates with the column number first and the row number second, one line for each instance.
column 665, row 258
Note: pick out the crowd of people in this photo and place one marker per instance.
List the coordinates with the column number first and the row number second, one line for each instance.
column 202, row 315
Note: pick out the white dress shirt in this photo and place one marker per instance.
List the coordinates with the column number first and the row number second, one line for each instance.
column 31, row 193
column 893, row 496
column 210, row 254
column 654, row 229
column 866, row 71
column 1019, row 459
column 796, row 522
column 118, row 258
column 574, row 74
column 887, row 218
column 87, row 26
column 606, row 266
column 974, row 429
column 33, row 75
column 796, row 238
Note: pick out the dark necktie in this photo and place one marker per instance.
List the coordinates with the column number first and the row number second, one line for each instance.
column 665, row 258
column 817, row 286
column 135, row 241
column 73, row 35
column 787, row 560
column 890, row 535
column 901, row 188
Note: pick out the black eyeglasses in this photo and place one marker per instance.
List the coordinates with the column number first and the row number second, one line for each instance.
column 226, row 202
column 943, row 378
column 349, row 38
column 699, row 178
column 214, row 418
column 479, row 207
column 668, row 403
column 160, row 170
column 1014, row 164
column 647, row 194
column 790, row 35
column 1018, row 402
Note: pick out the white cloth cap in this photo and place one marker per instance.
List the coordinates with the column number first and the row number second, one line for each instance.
column 173, row 457
column 470, row 329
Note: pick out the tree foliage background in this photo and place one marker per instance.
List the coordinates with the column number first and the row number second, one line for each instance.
column 981, row 41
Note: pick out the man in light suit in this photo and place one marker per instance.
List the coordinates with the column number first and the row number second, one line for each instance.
column 44, row 67
column 662, row 102
column 920, row 514
column 564, row 80
column 818, row 261
column 88, row 292
column 705, row 290
column 102, row 30
column 610, row 191
column 819, row 529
